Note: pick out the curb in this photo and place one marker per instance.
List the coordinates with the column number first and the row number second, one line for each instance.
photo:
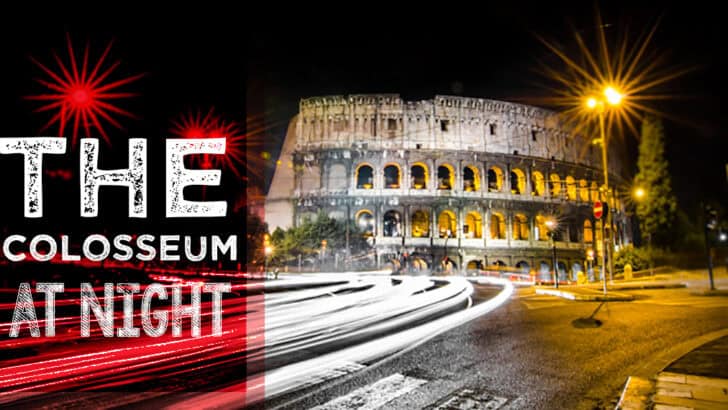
column 636, row 393
column 610, row 297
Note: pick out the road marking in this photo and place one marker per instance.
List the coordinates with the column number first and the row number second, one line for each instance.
column 375, row 395
column 333, row 373
column 469, row 399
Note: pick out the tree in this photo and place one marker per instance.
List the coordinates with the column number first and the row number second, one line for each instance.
column 657, row 212
column 306, row 239
column 255, row 230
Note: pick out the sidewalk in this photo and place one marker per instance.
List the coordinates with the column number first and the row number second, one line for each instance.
column 697, row 380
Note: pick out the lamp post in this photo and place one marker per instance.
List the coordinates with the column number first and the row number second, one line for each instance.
column 551, row 225
column 610, row 97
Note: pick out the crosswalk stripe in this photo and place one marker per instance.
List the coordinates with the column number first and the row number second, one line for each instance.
column 375, row 395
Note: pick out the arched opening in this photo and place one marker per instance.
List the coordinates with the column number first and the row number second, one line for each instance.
column 594, row 191
column 420, row 224
column 583, row 190
column 365, row 221
column 497, row 226
column 575, row 269
column 447, row 224
column 474, row 265
column 544, row 268
column 539, row 183
column 520, row 227
column 495, row 179
column 573, row 231
column 391, row 177
column 445, row 177
column 588, row 232
column 523, row 266
column 554, row 185
column 418, row 173
column 471, row 179
column 518, row 181
column 562, row 270
column 570, row 188
column 364, row 177
column 473, row 225
column 541, row 230
column 392, row 224
column 419, row 264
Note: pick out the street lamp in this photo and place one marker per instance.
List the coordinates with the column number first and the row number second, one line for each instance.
column 551, row 225
column 610, row 97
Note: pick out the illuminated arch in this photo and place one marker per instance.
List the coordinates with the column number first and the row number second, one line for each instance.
column 570, row 188
column 541, row 230
column 392, row 176
column 594, row 191
column 392, row 224
column 495, row 179
column 539, row 183
column 497, row 226
column 364, row 176
column 365, row 221
column 518, row 181
column 588, row 231
column 474, row 265
column 471, row 179
column 473, row 225
column 419, row 176
column 420, row 224
column 445, row 177
column 447, row 224
column 523, row 266
column 520, row 227
column 583, row 190
column 554, row 185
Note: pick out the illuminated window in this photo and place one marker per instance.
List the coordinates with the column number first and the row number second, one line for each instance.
column 588, row 232
column 471, row 179
column 594, row 191
column 420, row 224
column 541, row 230
column 365, row 222
column 473, row 227
column 391, row 177
column 392, row 224
column 583, row 190
column 447, row 224
column 445, row 177
column 570, row 188
column 518, row 181
column 418, row 174
column 497, row 226
column 495, row 179
column 538, row 183
column 364, row 177
column 554, row 185
column 520, row 227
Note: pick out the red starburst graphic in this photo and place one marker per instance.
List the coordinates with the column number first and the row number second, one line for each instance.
column 82, row 98
column 197, row 125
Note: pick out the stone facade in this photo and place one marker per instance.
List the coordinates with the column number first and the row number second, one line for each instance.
column 469, row 179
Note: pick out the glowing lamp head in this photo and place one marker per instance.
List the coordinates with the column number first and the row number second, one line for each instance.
column 590, row 253
column 268, row 250
column 550, row 223
column 591, row 103
column 639, row 193
column 723, row 236
column 613, row 96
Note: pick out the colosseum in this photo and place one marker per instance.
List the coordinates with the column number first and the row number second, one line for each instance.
column 452, row 181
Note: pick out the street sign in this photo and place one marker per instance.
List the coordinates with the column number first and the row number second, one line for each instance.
column 598, row 209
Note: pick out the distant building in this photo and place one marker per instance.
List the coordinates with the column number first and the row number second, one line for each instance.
column 467, row 180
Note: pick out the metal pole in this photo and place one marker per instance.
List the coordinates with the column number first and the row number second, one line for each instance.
column 608, row 219
column 556, row 266
column 710, row 257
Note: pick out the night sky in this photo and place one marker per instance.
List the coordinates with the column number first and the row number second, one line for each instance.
column 258, row 62
column 491, row 52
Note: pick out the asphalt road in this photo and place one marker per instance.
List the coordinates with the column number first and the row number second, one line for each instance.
column 528, row 354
